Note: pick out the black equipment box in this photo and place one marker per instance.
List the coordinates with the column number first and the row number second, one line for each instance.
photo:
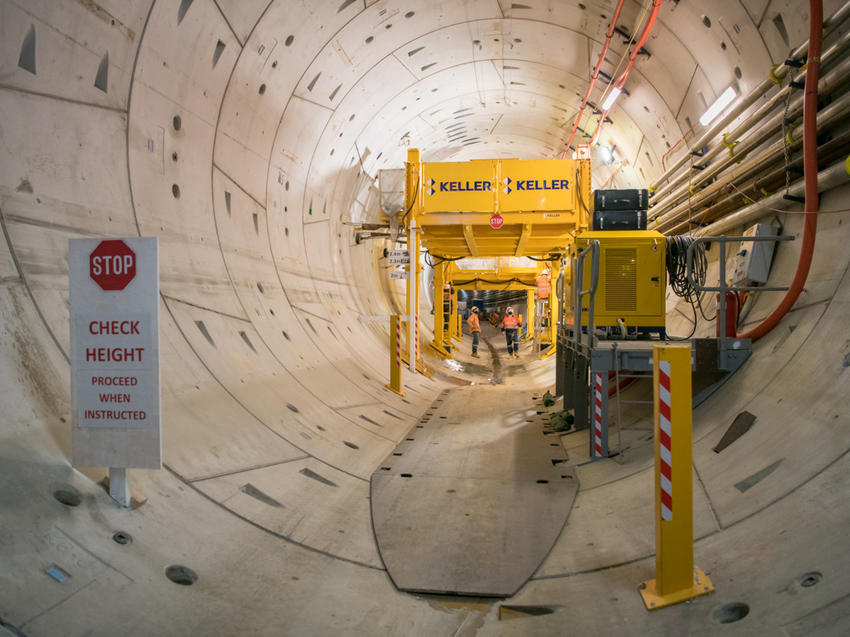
column 632, row 199
column 619, row 219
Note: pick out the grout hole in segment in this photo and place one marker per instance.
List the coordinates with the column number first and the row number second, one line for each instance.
column 182, row 575
column 406, row 475
column 68, row 495
column 729, row 613
column 122, row 537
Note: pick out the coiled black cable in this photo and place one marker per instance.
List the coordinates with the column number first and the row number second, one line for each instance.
column 677, row 272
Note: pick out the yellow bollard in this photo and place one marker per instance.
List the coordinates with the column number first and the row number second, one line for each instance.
column 676, row 577
column 395, row 355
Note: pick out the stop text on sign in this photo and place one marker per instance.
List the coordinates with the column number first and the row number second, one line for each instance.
column 112, row 265
column 109, row 265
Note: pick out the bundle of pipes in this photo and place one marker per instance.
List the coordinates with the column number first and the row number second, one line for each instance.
column 677, row 199
column 682, row 200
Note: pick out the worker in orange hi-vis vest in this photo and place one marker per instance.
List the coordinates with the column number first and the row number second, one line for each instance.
column 510, row 326
column 475, row 330
column 544, row 285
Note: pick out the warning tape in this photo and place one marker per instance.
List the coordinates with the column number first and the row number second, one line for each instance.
column 665, row 440
column 398, row 342
column 597, row 417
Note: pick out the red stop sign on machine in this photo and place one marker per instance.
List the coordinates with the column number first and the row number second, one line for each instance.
column 497, row 221
column 112, row 265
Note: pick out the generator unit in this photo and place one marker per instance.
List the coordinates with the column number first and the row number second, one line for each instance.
column 632, row 280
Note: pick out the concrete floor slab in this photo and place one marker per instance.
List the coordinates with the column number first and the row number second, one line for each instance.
column 471, row 501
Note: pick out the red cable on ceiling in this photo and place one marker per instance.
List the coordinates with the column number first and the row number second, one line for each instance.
column 644, row 36
column 608, row 36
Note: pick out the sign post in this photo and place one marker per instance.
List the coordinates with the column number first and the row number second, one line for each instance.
column 114, row 294
column 676, row 577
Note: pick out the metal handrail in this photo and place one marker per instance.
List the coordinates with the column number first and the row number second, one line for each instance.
column 579, row 292
column 723, row 287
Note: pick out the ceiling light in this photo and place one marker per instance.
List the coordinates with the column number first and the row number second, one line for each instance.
column 609, row 101
column 607, row 154
column 719, row 104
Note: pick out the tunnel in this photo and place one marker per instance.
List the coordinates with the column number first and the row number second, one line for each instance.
column 249, row 137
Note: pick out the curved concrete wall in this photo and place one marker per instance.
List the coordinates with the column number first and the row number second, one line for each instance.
column 245, row 135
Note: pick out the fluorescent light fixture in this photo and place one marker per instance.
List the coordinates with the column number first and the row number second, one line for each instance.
column 614, row 94
column 719, row 104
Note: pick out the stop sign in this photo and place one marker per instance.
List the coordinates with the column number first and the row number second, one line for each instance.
column 112, row 265
column 496, row 221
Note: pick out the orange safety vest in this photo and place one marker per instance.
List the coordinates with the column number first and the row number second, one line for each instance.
column 544, row 286
column 510, row 322
column 472, row 321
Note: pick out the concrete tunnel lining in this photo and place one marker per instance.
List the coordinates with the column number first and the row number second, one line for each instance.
column 241, row 253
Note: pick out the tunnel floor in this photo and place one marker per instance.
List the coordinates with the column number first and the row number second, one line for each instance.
column 473, row 498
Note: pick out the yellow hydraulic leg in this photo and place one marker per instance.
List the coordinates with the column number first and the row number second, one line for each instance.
column 395, row 355
column 438, row 344
column 454, row 333
column 676, row 577
column 530, row 331
column 552, row 307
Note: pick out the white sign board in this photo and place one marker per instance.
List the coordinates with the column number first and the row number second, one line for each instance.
column 398, row 253
column 398, row 260
column 114, row 293
column 398, row 274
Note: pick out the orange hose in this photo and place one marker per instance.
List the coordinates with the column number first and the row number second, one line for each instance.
column 810, row 170
column 593, row 77
column 644, row 36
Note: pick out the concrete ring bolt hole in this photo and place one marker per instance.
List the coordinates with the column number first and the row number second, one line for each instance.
column 176, row 122
column 122, row 537
column 182, row 575
column 730, row 613
column 807, row 580
column 68, row 495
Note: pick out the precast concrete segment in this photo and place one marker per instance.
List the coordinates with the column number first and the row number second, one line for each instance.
column 471, row 502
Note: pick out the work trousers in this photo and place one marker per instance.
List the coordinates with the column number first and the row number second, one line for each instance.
column 475, row 336
column 512, row 339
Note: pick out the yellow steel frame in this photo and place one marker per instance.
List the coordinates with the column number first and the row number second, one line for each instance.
column 501, row 278
column 542, row 203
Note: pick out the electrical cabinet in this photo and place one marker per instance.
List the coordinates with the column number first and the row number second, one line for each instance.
column 752, row 262
column 632, row 278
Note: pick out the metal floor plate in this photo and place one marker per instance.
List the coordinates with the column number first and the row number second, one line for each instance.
column 472, row 501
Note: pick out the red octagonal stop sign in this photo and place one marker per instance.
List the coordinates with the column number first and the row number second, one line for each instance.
column 112, row 265
column 496, row 221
